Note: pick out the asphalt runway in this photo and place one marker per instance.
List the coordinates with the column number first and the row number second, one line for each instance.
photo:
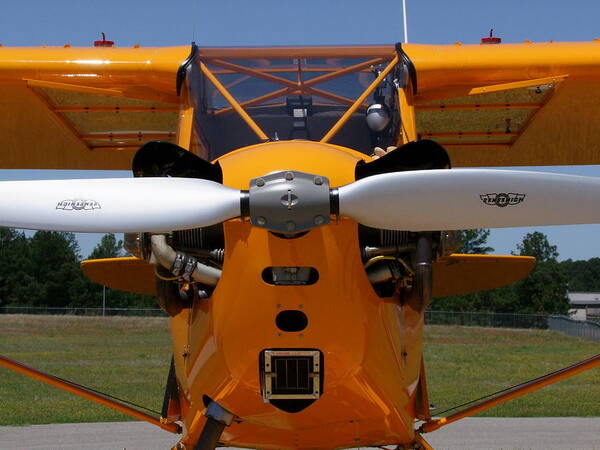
column 474, row 433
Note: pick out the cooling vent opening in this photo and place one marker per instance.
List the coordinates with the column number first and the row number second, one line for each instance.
column 291, row 320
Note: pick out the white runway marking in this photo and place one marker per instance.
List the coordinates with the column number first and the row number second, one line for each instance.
column 475, row 433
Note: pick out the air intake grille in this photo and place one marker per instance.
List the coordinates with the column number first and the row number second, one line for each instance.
column 291, row 374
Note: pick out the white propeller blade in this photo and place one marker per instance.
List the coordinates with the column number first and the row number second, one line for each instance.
column 457, row 199
column 116, row 204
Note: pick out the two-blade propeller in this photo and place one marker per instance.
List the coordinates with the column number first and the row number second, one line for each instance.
column 116, row 204
column 456, row 199
column 422, row 200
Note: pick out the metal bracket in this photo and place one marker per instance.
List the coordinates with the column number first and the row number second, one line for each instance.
column 289, row 201
column 218, row 413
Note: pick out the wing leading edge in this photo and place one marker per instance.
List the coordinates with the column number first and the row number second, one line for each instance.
column 85, row 108
column 490, row 105
column 510, row 104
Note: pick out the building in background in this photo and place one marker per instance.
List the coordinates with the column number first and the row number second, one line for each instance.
column 584, row 305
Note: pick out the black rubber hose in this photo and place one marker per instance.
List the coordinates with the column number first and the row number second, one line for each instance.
column 211, row 433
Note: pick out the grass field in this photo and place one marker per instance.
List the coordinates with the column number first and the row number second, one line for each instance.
column 464, row 363
column 128, row 357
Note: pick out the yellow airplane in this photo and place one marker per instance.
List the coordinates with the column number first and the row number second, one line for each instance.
column 295, row 267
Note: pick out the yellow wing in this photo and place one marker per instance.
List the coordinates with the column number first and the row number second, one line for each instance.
column 510, row 105
column 490, row 105
column 85, row 108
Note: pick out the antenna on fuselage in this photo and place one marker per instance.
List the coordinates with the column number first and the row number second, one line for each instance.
column 405, row 22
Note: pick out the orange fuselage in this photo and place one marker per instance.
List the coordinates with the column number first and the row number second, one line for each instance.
column 372, row 347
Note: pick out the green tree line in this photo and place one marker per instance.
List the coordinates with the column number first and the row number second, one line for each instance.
column 44, row 270
column 544, row 291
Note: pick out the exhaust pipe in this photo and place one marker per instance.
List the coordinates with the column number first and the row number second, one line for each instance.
column 180, row 264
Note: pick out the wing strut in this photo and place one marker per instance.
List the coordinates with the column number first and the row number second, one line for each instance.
column 514, row 392
column 84, row 392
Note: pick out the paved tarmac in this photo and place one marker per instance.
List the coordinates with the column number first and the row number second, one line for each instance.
column 473, row 433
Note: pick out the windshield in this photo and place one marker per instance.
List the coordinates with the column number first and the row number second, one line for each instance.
column 287, row 97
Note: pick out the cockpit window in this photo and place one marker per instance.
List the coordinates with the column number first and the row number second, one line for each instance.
column 287, row 97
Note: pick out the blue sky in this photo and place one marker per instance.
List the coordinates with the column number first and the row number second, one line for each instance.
column 310, row 22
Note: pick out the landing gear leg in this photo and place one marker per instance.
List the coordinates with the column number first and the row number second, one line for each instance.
column 423, row 280
column 217, row 418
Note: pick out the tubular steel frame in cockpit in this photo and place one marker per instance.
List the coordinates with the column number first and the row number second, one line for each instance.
column 271, row 94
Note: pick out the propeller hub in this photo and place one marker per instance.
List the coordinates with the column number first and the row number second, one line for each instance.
column 289, row 201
